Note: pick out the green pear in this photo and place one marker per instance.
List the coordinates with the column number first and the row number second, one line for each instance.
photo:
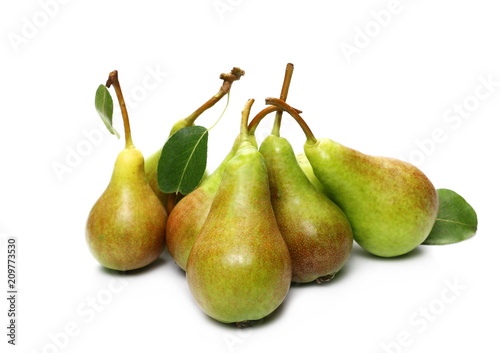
column 151, row 169
column 309, row 172
column 239, row 268
column 316, row 231
column 391, row 204
column 188, row 216
column 125, row 229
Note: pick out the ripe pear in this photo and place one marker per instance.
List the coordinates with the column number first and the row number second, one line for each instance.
column 151, row 169
column 126, row 226
column 391, row 204
column 125, row 229
column 188, row 216
column 316, row 231
column 239, row 268
column 309, row 172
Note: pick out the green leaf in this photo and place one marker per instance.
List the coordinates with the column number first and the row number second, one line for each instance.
column 456, row 220
column 183, row 160
column 104, row 106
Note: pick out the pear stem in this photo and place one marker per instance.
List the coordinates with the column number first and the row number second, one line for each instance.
column 245, row 113
column 261, row 115
column 283, row 96
column 258, row 118
column 284, row 106
column 113, row 80
column 228, row 78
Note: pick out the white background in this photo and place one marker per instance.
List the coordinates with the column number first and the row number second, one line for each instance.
column 391, row 97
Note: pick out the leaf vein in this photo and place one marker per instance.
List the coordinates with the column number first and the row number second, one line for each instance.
column 455, row 222
column 189, row 160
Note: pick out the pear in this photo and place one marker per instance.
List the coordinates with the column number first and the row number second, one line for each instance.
column 309, row 172
column 125, row 229
column 239, row 268
column 151, row 170
column 316, row 231
column 188, row 216
column 391, row 204
column 170, row 200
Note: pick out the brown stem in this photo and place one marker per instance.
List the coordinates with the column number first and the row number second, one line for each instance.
column 228, row 78
column 284, row 106
column 113, row 80
column 283, row 96
column 258, row 118
column 261, row 115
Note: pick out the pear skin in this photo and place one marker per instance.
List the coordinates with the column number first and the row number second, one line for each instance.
column 239, row 268
column 316, row 231
column 309, row 172
column 391, row 204
column 151, row 169
column 188, row 216
column 126, row 226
